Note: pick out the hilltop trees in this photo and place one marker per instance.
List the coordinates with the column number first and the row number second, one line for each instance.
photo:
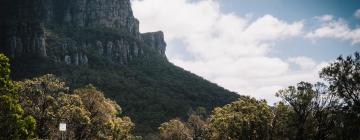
column 14, row 124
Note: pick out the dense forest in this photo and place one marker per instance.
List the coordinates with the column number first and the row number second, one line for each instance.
column 33, row 108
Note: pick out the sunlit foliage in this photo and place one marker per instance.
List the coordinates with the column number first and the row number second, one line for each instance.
column 14, row 124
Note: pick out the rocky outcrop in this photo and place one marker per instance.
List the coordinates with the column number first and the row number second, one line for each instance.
column 24, row 30
column 156, row 41
column 79, row 13
column 70, row 53
column 119, row 51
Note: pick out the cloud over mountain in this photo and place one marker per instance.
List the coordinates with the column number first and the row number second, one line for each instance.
column 226, row 48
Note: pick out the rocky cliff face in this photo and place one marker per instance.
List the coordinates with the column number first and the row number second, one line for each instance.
column 156, row 41
column 24, row 27
column 92, row 13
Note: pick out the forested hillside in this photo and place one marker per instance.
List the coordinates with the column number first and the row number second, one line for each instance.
column 149, row 89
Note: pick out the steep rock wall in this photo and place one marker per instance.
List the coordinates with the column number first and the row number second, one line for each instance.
column 24, row 31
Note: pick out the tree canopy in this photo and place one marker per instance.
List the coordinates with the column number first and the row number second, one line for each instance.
column 246, row 118
column 86, row 111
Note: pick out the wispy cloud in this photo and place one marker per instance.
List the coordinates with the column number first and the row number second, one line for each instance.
column 324, row 18
column 335, row 29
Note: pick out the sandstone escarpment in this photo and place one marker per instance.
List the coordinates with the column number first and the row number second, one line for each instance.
column 92, row 13
column 25, row 30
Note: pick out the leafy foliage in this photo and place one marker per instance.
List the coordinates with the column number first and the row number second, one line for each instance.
column 300, row 99
column 343, row 76
column 14, row 123
column 175, row 130
column 283, row 124
column 200, row 127
column 246, row 118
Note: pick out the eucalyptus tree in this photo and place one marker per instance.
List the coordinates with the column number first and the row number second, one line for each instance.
column 300, row 98
column 175, row 129
column 343, row 76
column 246, row 118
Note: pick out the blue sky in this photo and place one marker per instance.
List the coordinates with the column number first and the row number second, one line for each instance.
column 254, row 47
column 291, row 10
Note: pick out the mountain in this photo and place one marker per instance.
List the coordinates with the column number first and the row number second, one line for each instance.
column 98, row 42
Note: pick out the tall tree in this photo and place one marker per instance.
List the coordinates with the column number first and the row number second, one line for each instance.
column 104, row 115
column 197, row 121
column 199, row 126
column 14, row 124
column 39, row 97
column 283, row 124
column 325, row 106
column 300, row 99
column 246, row 118
column 71, row 110
column 343, row 76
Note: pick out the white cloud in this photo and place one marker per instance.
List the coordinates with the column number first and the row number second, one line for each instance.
column 228, row 49
column 305, row 63
column 335, row 29
column 357, row 13
column 324, row 18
